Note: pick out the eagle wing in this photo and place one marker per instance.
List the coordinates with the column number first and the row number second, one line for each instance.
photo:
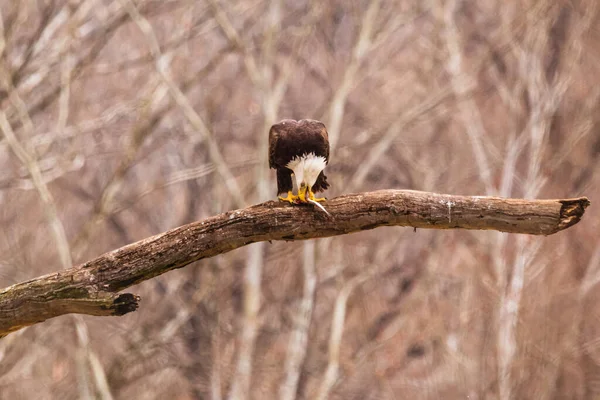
column 318, row 128
column 273, row 137
column 325, row 136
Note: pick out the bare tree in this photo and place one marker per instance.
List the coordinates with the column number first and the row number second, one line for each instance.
column 122, row 119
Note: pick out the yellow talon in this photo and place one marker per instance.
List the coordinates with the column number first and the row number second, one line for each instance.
column 311, row 196
column 290, row 197
column 304, row 195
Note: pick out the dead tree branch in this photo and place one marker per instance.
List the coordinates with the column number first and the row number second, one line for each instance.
column 92, row 288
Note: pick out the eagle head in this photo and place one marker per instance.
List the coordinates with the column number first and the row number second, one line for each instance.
column 307, row 168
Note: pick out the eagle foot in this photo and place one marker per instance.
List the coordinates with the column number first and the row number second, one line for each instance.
column 290, row 197
column 312, row 197
column 306, row 194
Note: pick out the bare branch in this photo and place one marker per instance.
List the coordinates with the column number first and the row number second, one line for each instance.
column 32, row 166
column 462, row 85
column 138, row 135
column 361, row 49
column 406, row 119
column 91, row 288
column 182, row 101
column 235, row 39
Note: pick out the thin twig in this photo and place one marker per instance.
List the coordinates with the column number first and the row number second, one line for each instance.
column 461, row 85
column 233, row 36
column 181, row 99
column 361, row 49
column 47, row 199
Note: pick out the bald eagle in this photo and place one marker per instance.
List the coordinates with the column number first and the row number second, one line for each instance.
column 299, row 150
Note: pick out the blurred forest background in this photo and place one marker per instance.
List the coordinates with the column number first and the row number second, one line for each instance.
column 120, row 119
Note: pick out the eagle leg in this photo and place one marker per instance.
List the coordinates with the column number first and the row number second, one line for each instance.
column 302, row 193
column 292, row 198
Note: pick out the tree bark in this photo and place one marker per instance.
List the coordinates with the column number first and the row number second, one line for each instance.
column 92, row 288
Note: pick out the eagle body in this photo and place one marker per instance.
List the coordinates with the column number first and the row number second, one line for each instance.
column 299, row 152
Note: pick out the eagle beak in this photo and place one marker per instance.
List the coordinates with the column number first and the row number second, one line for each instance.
column 302, row 192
